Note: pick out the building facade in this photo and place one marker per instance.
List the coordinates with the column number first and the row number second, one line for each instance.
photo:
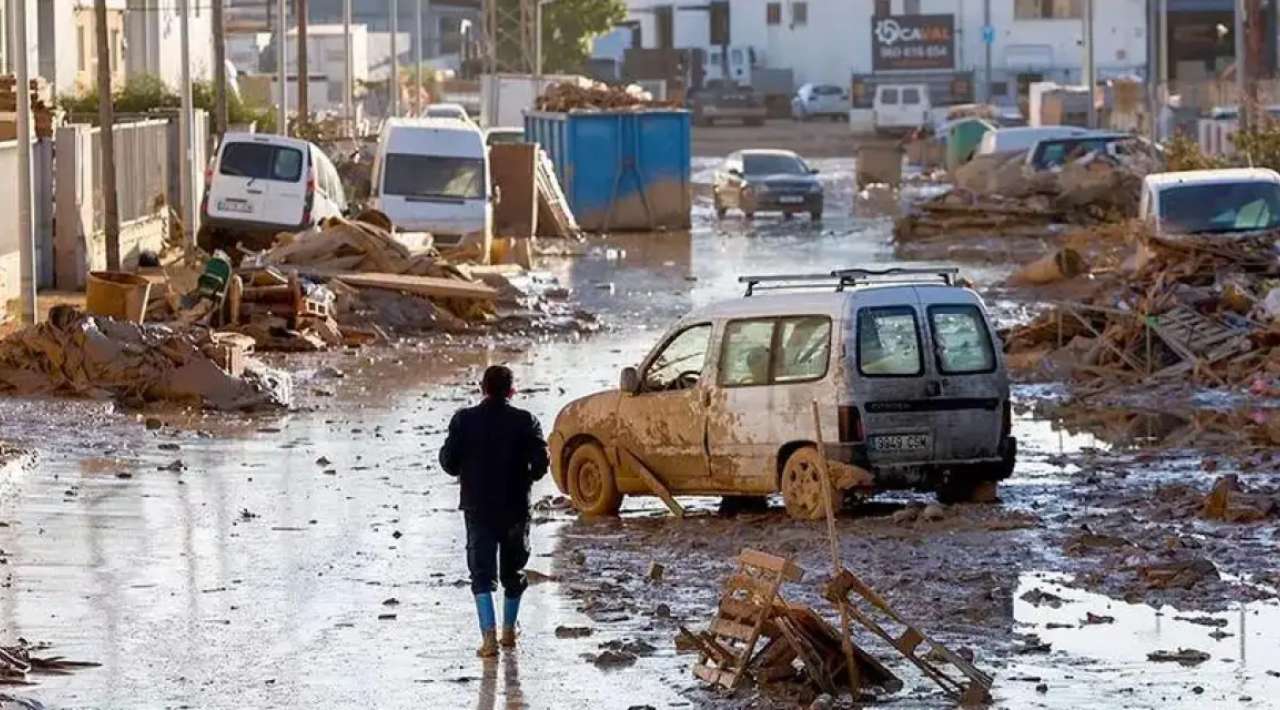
column 829, row 41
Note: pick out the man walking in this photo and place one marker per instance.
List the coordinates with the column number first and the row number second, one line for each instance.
column 497, row 451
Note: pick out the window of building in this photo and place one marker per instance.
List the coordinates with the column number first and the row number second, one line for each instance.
column 82, row 52
column 773, row 13
column 117, row 51
column 799, row 13
column 1048, row 9
column 883, row 8
column 911, row 7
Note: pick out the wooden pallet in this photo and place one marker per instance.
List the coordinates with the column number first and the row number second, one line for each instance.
column 746, row 605
column 972, row 687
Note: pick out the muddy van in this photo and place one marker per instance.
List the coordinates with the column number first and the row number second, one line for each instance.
column 904, row 364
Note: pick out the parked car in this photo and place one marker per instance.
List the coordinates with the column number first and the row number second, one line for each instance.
column 905, row 366
column 1055, row 152
column 432, row 175
column 901, row 108
column 444, row 110
column 818, row 100
column 1008, row 140
column 258, row 185
column 1212, row 201
column 767, row 181
column 724, row 101
column 503, row 134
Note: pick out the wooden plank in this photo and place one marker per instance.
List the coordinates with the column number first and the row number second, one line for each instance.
column 773, row 563
column 429, row 286
column 909, row 640
column 715, row 676
column 760, row 588
column 655, row 484
column 731, row 629
column 513, row 170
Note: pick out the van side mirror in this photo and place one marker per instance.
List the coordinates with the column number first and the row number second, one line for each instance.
column 630, row 380
column 813, row 171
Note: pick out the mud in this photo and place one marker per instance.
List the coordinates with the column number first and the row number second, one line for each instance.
column 228, row 561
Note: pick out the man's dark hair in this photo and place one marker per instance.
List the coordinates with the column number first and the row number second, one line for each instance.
column 497, row 381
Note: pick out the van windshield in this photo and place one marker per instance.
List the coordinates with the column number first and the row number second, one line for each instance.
column 1219, row 208
column 434, row 176
column 262, row 161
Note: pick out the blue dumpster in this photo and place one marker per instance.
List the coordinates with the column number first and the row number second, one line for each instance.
column 620, row 170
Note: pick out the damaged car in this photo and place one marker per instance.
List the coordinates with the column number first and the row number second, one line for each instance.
column 906, row 369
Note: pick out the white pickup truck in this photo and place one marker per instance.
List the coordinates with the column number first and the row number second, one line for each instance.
column 1212, row 201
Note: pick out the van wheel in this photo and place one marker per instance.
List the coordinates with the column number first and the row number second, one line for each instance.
column 592, row 486
column 802, row 485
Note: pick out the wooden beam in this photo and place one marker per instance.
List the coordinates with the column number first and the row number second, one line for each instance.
column 429, row 286
column 655, row 484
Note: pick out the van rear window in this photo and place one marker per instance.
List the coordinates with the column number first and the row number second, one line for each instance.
column 262, row 161
column 410, row 175
column 889, row 342
column 963, row 343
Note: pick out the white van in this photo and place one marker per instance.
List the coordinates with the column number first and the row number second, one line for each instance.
column 1007, row 140
column 901, row 107
column 268, row 183
column 432, row 175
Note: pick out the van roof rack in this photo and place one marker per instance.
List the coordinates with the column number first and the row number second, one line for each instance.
column 840, row 278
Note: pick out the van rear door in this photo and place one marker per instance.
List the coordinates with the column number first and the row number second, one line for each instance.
column 892, row 378
column 973, row 387
column 259, row 181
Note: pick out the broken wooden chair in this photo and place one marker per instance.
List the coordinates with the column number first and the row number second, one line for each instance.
column 975, row 686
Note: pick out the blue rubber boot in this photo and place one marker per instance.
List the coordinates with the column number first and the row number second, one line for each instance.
column 488, row 626
column 510, row 610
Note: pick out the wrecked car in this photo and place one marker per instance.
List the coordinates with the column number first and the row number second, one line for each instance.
column 904, row 364
column 1211, row 201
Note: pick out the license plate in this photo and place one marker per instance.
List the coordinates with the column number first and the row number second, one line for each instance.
column 235, row 206
column 896, row 443
column 790, row 199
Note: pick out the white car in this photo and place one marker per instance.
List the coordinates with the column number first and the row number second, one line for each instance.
column 432, row 175
column 1212, row 201
column 817, row 100
column 441, row 110
column 901, row 108
column 268, row 183
column 1008, row 140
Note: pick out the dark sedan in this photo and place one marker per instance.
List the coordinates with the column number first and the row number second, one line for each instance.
column 767, row 181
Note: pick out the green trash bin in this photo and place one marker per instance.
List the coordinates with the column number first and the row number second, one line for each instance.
column 963, row 138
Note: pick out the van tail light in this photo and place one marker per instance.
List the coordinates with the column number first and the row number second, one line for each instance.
column 1006, row 424
column 311, row 197
column 852, row 429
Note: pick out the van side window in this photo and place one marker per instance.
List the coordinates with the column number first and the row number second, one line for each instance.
column 804, row 346
column 745, row 358
column 889, row 342
column 964, row 345
column 681, row 361
column 911, row 97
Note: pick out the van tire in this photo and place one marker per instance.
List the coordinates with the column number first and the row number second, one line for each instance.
column 593, row 487
column 801, row 485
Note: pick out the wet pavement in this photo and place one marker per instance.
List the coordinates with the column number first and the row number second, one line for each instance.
column 315, row 558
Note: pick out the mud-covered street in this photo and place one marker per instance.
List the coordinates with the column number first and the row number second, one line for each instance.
column 315, row 558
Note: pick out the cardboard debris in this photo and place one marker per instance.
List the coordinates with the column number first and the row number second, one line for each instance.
column 563, row 97
column 81, row 355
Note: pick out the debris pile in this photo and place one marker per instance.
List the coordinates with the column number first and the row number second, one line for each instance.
column 42, row 110
column 1002, row 193
column 1182, row 309
column 83, row 355
column 563, row 97
column 17, row 663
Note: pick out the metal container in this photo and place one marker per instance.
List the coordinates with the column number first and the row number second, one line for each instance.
column 620, row 170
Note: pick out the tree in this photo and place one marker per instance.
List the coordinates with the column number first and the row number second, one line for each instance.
column 568, row 27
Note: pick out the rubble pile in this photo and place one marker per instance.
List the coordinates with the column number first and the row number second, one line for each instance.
column 82, row 355
column 18, row 663
column 1002, row 194
column 42, row 109
column 1198, row 309
column 563, row 97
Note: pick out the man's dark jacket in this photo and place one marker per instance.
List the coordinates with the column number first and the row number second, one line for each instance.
column 497, row 451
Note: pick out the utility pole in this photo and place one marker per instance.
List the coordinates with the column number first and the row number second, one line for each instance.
column 394, row 88
column 417, row 67
column 348, row 70
column 304, row 95
column 1163, row 61
column 219, row 70
column 1242, row 64
column 1090, row 71
column 106, row 137
column 987, row 41
column 282, row 76
column 26, row 205
column 185, row 133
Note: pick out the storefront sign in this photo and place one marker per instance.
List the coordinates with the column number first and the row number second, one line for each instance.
column 904, row 42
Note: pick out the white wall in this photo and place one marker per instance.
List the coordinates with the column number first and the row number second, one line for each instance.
column 836, row 40
column 10, row 283
column 154, row 33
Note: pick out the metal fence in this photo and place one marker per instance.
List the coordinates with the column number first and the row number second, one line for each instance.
column 142, row 170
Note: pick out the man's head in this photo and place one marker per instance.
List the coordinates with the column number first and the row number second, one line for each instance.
column 497, row 382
